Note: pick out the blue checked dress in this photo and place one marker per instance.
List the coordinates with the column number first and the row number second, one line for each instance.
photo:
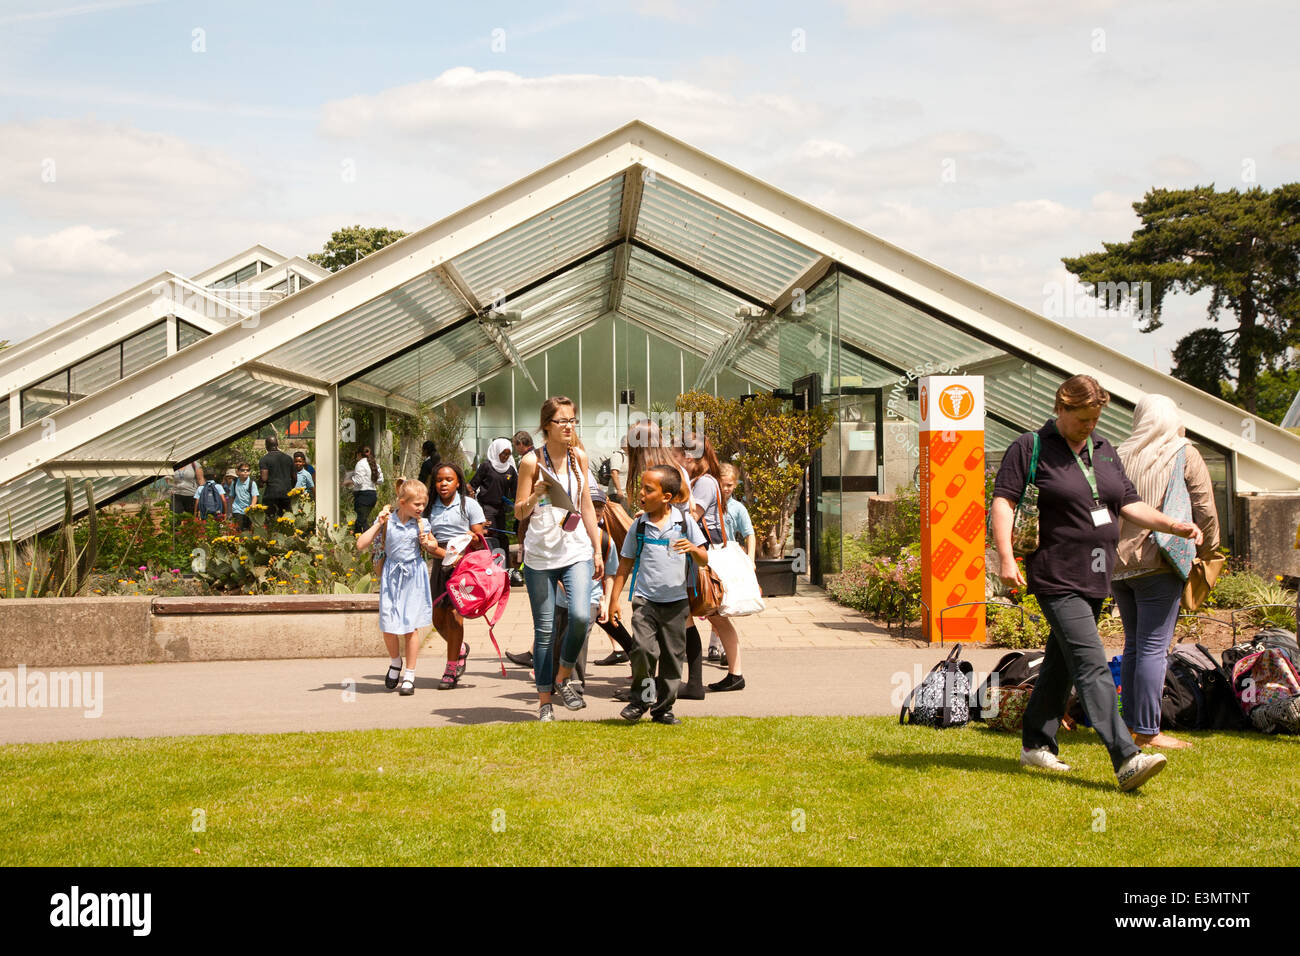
column 405, row 601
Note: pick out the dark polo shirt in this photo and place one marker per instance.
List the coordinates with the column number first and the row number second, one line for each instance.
column 1074, row 556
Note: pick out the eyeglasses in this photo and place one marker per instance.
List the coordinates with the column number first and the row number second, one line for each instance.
column 564, row 421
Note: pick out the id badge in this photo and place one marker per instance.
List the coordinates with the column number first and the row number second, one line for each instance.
column 1100, row 516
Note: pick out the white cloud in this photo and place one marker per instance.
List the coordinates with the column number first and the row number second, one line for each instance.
column 1177, row 169
column 1289, row 151
column 85, row 169
column 502, row 112
column 77, row 250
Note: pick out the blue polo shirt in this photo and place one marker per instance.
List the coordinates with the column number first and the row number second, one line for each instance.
column 661, row 575
column 739, row 527
column 446, row 521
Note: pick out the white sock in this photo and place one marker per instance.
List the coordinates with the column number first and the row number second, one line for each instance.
column 395, row 662
column 409, row 674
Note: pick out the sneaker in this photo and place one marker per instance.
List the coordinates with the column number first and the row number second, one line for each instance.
column 623, row 695
column 667, row 717
column 715, row 654
column 568, row 691
column 1042, row 757
column 546, row 713
column 516, row 579
column 618, row 657
column 730, row 682
column 633, row 711
column 1138, row 769
column 722, row 659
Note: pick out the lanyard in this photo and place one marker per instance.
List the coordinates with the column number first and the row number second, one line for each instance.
column 1089, row 472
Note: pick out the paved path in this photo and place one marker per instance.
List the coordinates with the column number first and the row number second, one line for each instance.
column 804, row 655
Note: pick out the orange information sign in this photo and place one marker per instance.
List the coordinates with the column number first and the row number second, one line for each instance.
column 952, row 506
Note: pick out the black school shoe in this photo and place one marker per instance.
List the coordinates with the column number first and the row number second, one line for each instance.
column 691, row 692
column 523, row 660
column 618, row 657
column 730, row 682
column 394, row 674
column 633, row 712
column 667, row 717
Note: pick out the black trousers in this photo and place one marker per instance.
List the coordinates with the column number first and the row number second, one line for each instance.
column 660, row 634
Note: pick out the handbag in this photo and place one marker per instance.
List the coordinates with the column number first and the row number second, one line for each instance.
column 741, row 594
column 1024, row 528
column 942, row 699
column 1200, row 581
column 1178, row 551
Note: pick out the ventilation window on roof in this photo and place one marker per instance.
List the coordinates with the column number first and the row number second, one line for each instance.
column 187, row 335
column 144, row 348
column 95, row 373
column 45, row 398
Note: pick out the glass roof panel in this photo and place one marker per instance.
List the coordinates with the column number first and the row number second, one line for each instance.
column 544, row 243
column 719, row 242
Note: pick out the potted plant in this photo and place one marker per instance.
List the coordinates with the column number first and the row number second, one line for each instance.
column 772, row 445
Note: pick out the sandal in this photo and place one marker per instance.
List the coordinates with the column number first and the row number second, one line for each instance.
column 464, row 656
column 449, row 677
column 394, row 672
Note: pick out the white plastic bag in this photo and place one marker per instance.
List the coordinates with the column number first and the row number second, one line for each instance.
column 741, row 595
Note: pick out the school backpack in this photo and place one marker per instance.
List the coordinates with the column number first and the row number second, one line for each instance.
column 1197, row 694
column 210, row 500
column 1016, row 670
column 942, row 699
column 604, row 474
column 479, row 583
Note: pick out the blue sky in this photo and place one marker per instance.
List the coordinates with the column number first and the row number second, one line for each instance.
column 175, row 149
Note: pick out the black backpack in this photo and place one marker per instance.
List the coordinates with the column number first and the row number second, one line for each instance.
column 943, row 698
column 604, row 474
column 1015, row 669
column 1197, row 694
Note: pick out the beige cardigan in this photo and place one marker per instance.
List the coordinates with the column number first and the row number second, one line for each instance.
column 1138, row 551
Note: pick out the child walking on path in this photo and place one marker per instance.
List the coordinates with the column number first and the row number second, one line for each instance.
column 452, row 515
column 655, row 552
column 405, row 601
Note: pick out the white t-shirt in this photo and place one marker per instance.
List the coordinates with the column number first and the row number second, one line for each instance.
column 547, row 545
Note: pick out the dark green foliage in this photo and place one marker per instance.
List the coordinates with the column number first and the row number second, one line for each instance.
column 352, row 243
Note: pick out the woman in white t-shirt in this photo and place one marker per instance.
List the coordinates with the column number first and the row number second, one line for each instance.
column 560, row 546
column 366, row 474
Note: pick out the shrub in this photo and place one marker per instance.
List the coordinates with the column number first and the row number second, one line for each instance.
column 885, row 587
column 901, row 529
column 1005, row 628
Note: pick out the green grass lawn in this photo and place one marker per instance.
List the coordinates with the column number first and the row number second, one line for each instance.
column 713, row 791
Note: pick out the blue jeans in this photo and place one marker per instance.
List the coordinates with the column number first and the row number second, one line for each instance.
column 1074, row 655
column 541, row 595
column 1149, row 608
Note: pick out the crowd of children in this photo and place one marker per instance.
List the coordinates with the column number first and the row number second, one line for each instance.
column 573, row 575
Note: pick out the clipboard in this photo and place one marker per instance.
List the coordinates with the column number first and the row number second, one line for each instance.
column 555, row 490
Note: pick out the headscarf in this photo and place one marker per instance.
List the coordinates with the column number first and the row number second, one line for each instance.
column 1148, row 454
column 494, row 455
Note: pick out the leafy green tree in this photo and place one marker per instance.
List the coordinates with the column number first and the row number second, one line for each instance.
column 1275, row 393
column 1242, row 246
column 352, row 243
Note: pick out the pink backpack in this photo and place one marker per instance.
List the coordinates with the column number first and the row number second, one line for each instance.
column 478, row 583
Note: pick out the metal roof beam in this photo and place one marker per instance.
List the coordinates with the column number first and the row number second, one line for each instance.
column 751, row 324
column 502, row 342
column 629, row 216
column 454, row 279
column 363, row 393
column 277, row 376
column 803, row 283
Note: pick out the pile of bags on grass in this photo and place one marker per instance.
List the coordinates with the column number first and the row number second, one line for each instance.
column 1256, row 684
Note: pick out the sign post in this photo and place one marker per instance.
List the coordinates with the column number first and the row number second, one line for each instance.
column 952, row 505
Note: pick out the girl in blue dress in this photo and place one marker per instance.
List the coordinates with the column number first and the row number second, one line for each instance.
column 405, row 602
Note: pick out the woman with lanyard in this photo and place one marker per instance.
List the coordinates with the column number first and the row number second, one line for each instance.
column 493, row 486
column 1082, row 492
column 560, row 546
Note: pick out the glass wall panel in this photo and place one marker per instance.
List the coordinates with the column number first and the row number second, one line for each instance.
column 144, row 348
column 97, row 372
column 600, row 432
column 631, row 365
column 187, row 335
column 665, row 374
column 45, row 397
column 4, row 415
column 528, row 400
column 731, row 385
